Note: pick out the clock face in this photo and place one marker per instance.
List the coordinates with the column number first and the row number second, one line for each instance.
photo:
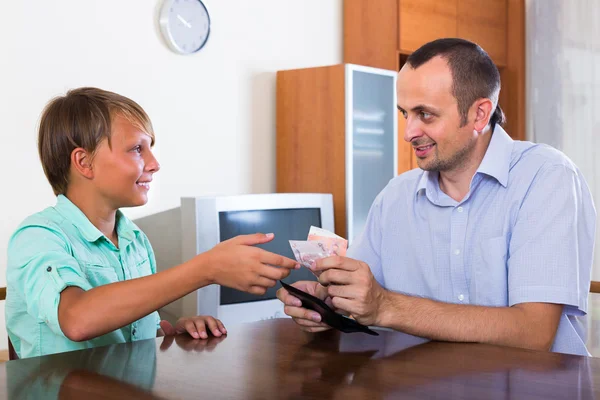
column 185, row 25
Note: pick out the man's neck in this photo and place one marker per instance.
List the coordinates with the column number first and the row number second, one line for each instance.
column 101, row 215
column 456, row 183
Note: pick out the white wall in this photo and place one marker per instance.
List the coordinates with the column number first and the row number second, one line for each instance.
column 563, row 92
column 213, row 112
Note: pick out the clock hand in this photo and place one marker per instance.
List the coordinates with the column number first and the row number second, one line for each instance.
column 183, row 21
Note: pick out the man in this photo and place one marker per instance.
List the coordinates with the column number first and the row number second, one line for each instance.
column 490, row 241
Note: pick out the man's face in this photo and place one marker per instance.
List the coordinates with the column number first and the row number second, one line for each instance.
column 433, row 123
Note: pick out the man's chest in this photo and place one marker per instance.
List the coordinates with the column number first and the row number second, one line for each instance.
column 453, row 253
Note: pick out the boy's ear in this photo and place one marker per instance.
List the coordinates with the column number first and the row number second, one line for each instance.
column 81, row 160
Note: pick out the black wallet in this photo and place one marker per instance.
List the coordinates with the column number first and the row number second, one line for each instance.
column 328, row 316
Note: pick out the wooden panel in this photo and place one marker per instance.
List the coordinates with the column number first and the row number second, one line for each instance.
column 413, row 160
column 484, row 25
column 370, row 32
column 311, row 135
column 422, row 21
column 512, row 94
column 404, row 149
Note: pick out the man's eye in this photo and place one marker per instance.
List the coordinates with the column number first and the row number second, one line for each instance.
column 405, row 114
column 425, row 115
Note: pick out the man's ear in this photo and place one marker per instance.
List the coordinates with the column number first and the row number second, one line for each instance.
column 483, row 113
column 81, row 161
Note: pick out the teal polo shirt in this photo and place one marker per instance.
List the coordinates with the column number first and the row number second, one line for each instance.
column 60, row 247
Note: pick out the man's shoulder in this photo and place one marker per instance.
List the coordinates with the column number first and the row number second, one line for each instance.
column 536, row 156
column 405, row 181
column 401, row 187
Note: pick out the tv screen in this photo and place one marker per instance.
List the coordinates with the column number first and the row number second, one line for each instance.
column 286, row 224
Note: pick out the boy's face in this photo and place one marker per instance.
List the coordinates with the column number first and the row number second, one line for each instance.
column 123, row 171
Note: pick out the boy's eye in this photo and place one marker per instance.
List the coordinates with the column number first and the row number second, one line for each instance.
column 137, row 149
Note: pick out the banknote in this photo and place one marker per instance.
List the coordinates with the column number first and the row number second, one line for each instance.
column 335, row 245
column 320, row 244
column 307, row 253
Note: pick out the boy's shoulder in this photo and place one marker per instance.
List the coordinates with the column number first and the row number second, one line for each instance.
column 48, row 220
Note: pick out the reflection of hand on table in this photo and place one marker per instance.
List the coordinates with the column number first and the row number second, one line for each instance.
column 317, row 370
column 198, row 327
column 188, row 343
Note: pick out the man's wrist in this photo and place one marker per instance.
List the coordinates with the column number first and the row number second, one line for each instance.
column 385, row 309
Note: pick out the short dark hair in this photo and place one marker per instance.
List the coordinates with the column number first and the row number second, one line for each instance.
column 81, row 118
column 474, row 74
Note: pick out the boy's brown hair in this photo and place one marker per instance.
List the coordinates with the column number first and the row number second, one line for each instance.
column 81, row 118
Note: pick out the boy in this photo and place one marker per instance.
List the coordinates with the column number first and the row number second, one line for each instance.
column 80, row 274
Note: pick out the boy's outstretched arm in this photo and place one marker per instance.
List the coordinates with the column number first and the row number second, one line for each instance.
column 235, row 263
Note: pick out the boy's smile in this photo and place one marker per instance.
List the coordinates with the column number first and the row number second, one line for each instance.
column 124, row 167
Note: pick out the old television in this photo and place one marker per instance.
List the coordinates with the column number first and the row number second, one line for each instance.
column 200, row 223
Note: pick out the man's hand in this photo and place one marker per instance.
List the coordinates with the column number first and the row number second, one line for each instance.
column 352, row 288
column 309, row 321
column 195, row 326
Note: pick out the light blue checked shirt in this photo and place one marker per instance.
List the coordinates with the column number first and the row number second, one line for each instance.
column 523, row 233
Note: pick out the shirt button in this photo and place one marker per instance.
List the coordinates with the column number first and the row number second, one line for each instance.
column 457, row 251
column 461, row 297
column 460, row 209
column 133, row 333
column 49, row 269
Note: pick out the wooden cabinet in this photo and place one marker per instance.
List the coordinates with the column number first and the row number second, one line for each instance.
column 484, row 22
column 480, row 21
column 369, row 29
column 336, row 133
column 421, row 21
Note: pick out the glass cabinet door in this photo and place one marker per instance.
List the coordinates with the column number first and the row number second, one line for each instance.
column 371, row 140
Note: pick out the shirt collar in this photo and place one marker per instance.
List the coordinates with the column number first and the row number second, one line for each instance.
column 495, row 163
column 125, row 228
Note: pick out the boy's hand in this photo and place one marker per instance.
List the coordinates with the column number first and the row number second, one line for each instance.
column 237, row 264
column 195, row 326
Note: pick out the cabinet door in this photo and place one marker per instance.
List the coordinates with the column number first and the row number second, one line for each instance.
column 371, row 145
column 422, row 21
column 370, row 32
column 405, row 151
column 406, row 155
column 485, row 26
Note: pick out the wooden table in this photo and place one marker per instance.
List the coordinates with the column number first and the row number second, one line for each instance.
column 274, row 360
